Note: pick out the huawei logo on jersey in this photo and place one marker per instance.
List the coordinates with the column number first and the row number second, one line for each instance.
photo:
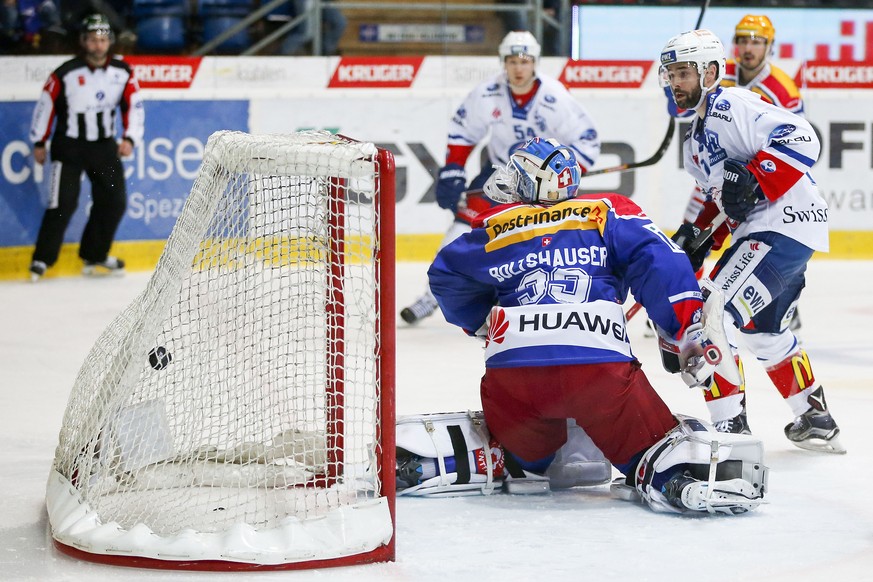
column 497, row 328
column 616, row 74
column 385, row 72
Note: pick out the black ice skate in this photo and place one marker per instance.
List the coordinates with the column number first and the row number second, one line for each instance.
column 736, row 425
column 815, row 429
column 111, row 266
column 37, row 270
column 408, row 471
column 733, row 496
column 424, row 307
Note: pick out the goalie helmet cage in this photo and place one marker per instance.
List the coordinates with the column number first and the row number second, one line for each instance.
column 239, row 414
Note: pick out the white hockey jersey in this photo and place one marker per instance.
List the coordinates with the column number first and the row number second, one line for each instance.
column 552, row 112
column 779, row 148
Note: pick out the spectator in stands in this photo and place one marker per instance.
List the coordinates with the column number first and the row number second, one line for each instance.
column 333, row 25
column 518, row 20
column 74, row 11
column 27, row 22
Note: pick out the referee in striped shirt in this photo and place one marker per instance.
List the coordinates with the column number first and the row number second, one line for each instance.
column 81, row 100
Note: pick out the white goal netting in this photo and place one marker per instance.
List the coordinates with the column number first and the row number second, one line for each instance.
column 234, row 411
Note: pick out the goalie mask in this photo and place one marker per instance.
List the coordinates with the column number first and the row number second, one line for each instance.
column 699, row 48
column 542, row 171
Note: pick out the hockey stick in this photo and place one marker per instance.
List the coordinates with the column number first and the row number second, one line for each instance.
column 665, row 143
column 698, row 241
column 662, row 149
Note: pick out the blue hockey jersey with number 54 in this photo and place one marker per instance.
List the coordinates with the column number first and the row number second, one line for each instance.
column 550, row 280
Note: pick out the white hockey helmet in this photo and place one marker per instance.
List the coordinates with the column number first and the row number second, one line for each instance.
column 519, row 43
column 542, row 171
column 700, row 47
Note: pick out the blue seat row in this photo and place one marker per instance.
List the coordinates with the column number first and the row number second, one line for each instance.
column 161, row 25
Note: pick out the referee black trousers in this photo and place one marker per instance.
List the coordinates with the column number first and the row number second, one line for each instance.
column 99, row 161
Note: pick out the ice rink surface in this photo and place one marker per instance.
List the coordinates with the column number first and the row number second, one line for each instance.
column 818, row 524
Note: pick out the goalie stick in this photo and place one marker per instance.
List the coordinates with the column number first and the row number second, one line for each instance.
column 698, row 241
column 668, row 138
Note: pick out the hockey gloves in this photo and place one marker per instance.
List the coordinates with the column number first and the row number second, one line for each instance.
column 685, row 237
column 704, row 348
column 739, row 190
column 450, row 184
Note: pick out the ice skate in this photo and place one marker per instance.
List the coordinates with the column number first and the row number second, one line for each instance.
column 733, row 496
column 423, row 307
column 111, row 266
column 815, row 429
column 736, row 425
column 37, row 270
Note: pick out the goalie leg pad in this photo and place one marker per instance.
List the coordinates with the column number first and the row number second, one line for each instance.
column 694, row 462
column 452, row 453
column 444, row 455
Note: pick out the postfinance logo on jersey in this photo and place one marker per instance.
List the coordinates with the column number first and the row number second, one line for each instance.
column 523, row 223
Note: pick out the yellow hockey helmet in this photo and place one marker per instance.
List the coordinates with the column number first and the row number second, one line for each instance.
column 756, row 26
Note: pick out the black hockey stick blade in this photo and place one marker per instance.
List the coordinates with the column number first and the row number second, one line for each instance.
column 662, row 149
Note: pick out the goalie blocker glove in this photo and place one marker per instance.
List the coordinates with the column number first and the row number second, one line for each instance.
column 451, row 182
column 739, row 191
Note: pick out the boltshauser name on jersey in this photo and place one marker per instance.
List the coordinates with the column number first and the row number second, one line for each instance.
column 561, row 257
column 571, row 321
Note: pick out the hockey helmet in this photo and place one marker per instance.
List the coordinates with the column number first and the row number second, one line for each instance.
column 519, row 43
column 97, row 23
column 547, row 171
column 700, row 47
column 756, row 26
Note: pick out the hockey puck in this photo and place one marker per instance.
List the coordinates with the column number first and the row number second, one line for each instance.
column 160, row 358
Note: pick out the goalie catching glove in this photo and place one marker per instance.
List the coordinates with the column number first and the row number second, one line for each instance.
column 739, row 191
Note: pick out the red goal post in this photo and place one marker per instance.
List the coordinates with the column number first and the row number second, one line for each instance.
column 239, row 414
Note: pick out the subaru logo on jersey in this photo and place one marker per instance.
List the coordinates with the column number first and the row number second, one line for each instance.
column 723, row 105
column 768, row 166
column 549, row 99
column 782, row 131
column 590, row 134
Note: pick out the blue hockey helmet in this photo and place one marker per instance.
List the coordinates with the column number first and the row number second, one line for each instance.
column 548, row 171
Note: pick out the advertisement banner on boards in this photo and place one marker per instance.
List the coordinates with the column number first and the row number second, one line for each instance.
column 159, row 174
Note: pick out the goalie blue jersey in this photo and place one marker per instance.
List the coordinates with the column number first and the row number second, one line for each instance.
column 545, row 285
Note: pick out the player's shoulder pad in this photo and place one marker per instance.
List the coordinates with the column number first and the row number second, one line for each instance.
column 782, row 87
column 70, row 65
column 119, row 62
column 482, row 219
column 620, row 205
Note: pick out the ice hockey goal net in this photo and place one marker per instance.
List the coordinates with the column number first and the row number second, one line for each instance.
column 239, row 413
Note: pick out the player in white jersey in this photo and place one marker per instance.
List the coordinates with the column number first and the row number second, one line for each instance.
column 515, row 106
column 751, row 159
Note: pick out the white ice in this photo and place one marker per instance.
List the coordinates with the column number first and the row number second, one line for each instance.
column 818, row 523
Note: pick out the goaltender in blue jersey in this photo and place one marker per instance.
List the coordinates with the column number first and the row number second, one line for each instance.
column 542, row 278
